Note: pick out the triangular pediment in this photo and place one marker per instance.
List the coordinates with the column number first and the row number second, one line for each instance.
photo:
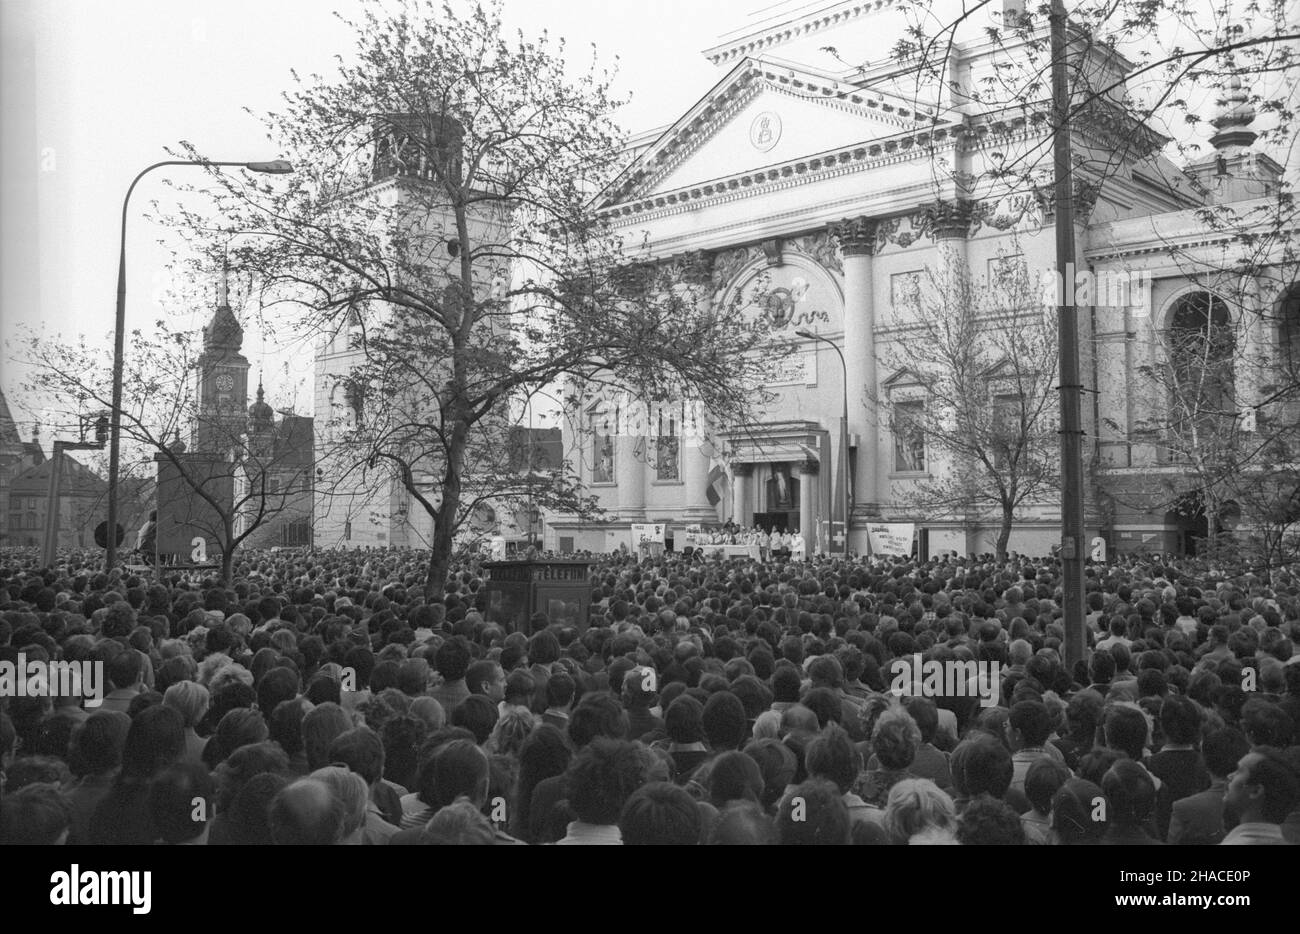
column 763, row 114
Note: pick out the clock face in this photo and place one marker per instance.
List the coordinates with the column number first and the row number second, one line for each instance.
column 225, row 382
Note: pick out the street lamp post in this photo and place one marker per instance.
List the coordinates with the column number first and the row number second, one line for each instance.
column 844, row 430
column 277, row 167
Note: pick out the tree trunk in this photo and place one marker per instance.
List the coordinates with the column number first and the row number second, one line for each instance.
column 444, row 525
column 1004, row 532
column 228, row 551
column 1211, row 528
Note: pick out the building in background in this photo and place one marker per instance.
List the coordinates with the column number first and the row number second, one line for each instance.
column 813, row 184
column 17, row 456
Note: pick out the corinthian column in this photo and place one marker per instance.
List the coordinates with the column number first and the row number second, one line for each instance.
column 857, row 240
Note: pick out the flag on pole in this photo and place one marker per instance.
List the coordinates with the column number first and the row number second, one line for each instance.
column 717, row 471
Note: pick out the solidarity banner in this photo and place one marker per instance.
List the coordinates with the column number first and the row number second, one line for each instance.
column 891, row 538
column 647, row 532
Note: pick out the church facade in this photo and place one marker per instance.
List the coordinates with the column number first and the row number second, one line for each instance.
column 828, row 193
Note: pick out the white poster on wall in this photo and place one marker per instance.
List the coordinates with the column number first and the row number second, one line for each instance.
column 648, row 532
column 891, row 538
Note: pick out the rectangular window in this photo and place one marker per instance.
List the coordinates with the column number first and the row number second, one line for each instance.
column 667, row 450
column 566, row 544
column 602, row 452
column 1005, row 436
column 909, row 438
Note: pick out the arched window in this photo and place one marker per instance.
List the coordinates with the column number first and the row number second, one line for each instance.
column 1201, row 348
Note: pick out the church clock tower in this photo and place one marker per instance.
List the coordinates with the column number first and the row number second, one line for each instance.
column 222, row 381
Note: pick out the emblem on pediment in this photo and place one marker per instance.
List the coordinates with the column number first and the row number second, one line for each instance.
column 765, row 131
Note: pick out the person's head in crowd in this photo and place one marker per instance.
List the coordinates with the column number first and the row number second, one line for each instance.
column 188, row 699
column 285, row 724
column 982, row 766
column 248, row 817
column 1083, row 715
column 1126, row 730
column 814, row 814
column 734, row 776
column 452, row 659
column 35, row 815
column 1264, row 788
column 520, row 689
column 307, row 812
column 603, row 776
column 1094, row 765
column 925, row 714
column 1266, row 724
column 155, row 739
column 1223, row 749
column 832, row 757
column 917, row 807
column 560, row 688
column 429, row 711
column 987, row 821
column 1131, row 794
column 508, row 736
column 240, row 727
column 36, row 770
column 321, row 726
column 486, row 678
column 244, row 763
column 1180, row 721
column 1028, row 725
column 126, row 670
column 798, row 720
column 684, row 721
column 181, row 799
column 97, row 744
column 361, row 750
column 459, row 768
column 1043, row 779
column 660, row 814
column 895, row 738
column 724, row 722
column 460, row 823
column 352, row 792
column 1079, row 814
column 276, row 686
column 742, row 823
column 478, row 714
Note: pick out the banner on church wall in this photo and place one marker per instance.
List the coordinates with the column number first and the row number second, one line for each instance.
column 652, row 532
column 891, row 538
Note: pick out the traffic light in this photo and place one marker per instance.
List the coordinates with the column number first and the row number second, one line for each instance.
column 101, row 428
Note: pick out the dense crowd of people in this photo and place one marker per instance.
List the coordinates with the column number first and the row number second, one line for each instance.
column 322, row 698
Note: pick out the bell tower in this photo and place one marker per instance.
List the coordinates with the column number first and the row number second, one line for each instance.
column 222, row 380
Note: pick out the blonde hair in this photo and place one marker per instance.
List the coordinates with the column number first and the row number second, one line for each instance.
column 188, row 699
column 916, row 805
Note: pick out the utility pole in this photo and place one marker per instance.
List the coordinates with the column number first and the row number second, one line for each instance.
column 1072, row 530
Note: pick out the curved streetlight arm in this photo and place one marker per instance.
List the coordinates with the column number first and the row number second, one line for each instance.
column 844, row 426
column 279, row 167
